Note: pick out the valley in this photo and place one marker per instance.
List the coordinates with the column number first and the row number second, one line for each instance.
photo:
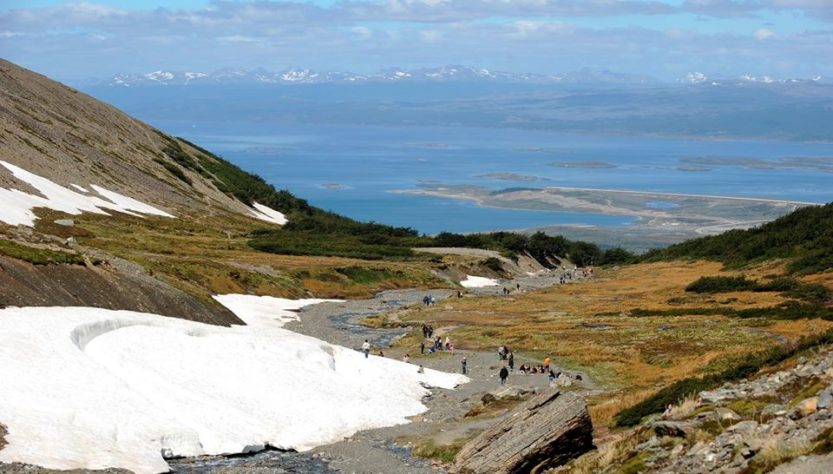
column 174, row 302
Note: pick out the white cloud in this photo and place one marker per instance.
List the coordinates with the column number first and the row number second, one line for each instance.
column 430, row 36
column 763, row 33
column 238, row 39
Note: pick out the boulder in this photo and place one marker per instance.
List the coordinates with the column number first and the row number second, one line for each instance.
column 563, row 380
column 726, row 414
column 744, row 427
column 825, row 399
column 674, row 429
column 544, row 432
column 506, row 392
column 806, row 407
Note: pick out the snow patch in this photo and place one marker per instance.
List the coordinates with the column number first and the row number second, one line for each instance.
column 17, row 205
column 478, row 282
column 268, row 214
column 90, row 388
column 265, row 311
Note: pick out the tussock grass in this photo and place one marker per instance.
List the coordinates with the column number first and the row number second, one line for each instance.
column 444, row 452
column 39, row 255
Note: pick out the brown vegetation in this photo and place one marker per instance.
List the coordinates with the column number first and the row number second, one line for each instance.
column 588, row 326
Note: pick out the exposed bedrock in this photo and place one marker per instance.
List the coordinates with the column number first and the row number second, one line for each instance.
column 107, row 286
column 546, row 431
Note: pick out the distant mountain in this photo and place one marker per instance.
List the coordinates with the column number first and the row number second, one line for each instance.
column 449, row 73
column 700, row 78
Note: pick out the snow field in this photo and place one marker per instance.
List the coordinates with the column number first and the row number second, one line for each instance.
column 17, row 205
column 478, row 282
column 92, row 388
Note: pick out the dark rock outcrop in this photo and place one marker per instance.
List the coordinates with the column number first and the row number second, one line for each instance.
column 121, row 286
column 676, row 429
column 546, row 431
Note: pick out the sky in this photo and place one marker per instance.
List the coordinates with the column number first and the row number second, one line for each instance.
column 666, row 39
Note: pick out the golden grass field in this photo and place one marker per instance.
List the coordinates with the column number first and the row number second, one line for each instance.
column 587, row 326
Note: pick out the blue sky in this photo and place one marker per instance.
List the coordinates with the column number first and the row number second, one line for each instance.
column 73, row 41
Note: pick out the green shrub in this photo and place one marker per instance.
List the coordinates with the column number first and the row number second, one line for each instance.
column 494, row 264
column 720, row 284
column 364, row 275
column 175, row 170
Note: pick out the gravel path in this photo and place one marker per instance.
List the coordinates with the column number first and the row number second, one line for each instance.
column 385, row 450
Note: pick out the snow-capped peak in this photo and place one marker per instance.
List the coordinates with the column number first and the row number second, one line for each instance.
column 189, row 76
column 298, row 75
column 160, row 76
column 695, row 78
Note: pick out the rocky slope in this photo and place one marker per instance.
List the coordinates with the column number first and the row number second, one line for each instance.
column 63, row 152
column 780, row 421
column 70, row 138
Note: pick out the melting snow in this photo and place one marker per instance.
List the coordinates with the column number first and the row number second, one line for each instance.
column 92, row 388
column 478, row 282
column 268, row 214
column 17, row 205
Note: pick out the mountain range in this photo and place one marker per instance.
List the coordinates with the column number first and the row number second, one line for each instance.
column 447, row 73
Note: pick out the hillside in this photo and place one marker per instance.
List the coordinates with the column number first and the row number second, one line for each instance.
column 804, row 236
column 104, row 209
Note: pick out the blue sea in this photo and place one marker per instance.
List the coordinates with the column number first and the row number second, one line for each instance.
column 355, row 170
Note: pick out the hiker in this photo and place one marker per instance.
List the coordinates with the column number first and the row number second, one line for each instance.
column 518, row 286
column 459, row 294
column 504, row 374
column 451, row 348
column 511, row 360
column 422, row 347
column 381, row 354
column 366, row 348
column 464, row 362
column 551, row 376
column 421, row 369
column 447, row 343
column 547, row 363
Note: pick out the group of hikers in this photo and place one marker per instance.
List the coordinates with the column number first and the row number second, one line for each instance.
column 505, row 356
column 507, row 291
column 431, row 343
column 436, row 344
column 507, row 362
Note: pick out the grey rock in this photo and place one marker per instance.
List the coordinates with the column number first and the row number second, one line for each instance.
column 505, row 393
column 825, row 400
column 744, row 427
column 545, row 431
column 726, row 414
column 774, row 409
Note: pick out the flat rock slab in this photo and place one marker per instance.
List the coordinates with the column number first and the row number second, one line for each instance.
column 546, row 431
